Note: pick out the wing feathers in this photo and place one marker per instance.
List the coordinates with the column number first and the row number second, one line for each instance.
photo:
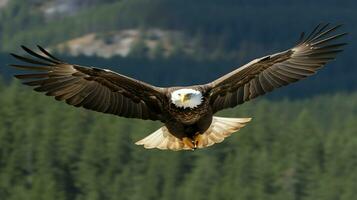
column 269, row 72
column 28, row 60
column 312, row 33
column 31, row 76
column 37, row 68
column 91, row 88
column 39, row 56
column 328, row 39
column 48, row 54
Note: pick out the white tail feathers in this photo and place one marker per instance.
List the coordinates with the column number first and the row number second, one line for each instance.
column 220, row 128
column 162, row 139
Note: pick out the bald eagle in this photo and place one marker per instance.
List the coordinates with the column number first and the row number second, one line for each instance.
column 186, row 112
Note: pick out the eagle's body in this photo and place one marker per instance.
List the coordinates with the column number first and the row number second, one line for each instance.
column 187, row 112
column 191, row 120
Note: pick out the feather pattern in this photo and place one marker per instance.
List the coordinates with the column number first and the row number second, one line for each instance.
column 219, row 129
column 92, row 88
column 265, row 74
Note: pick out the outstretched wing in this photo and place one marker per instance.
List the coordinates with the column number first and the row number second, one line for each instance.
column 265, row 74
column 92, row 88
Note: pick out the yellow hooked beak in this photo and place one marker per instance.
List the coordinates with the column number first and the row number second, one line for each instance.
column 184, row 97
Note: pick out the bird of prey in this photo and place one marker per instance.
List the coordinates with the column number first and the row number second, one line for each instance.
column 186, row 112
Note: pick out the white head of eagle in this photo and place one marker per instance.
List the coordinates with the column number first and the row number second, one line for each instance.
column 186, row 98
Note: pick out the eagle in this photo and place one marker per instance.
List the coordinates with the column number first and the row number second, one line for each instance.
column 186, row 112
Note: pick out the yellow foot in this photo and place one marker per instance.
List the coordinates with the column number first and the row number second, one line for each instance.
column 198, row 140
column 188, row 142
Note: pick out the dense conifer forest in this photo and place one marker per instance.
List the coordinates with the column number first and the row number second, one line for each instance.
column 292, row 149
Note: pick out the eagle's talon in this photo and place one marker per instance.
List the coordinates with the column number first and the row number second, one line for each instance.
column 189, row 142
column 198, row 140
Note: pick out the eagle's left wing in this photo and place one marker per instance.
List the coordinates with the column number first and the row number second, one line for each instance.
column 270, row 72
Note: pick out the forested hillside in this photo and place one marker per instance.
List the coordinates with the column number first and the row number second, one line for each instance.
column 291, row 150
column 219, row 29
column 225, row 35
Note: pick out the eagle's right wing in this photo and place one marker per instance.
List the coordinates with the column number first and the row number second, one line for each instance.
column 92, row 88
column 270, row 72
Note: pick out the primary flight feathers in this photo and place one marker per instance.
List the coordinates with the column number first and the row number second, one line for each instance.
column 109, row 92
column 96, row 89
column 265, row 74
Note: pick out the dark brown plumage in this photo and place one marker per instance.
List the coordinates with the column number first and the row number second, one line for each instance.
column 189, row 122
column 92, row 88
column 270, row 72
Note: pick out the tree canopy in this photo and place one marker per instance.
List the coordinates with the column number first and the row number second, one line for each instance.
column 302, row 149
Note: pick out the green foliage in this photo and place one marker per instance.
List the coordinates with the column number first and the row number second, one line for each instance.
column 292, row 150
column 226, row 29
column 139, row 49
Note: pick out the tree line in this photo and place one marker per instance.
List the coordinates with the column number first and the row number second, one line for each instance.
column 292, row 150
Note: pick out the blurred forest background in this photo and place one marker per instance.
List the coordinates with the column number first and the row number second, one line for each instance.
column 301, row 144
